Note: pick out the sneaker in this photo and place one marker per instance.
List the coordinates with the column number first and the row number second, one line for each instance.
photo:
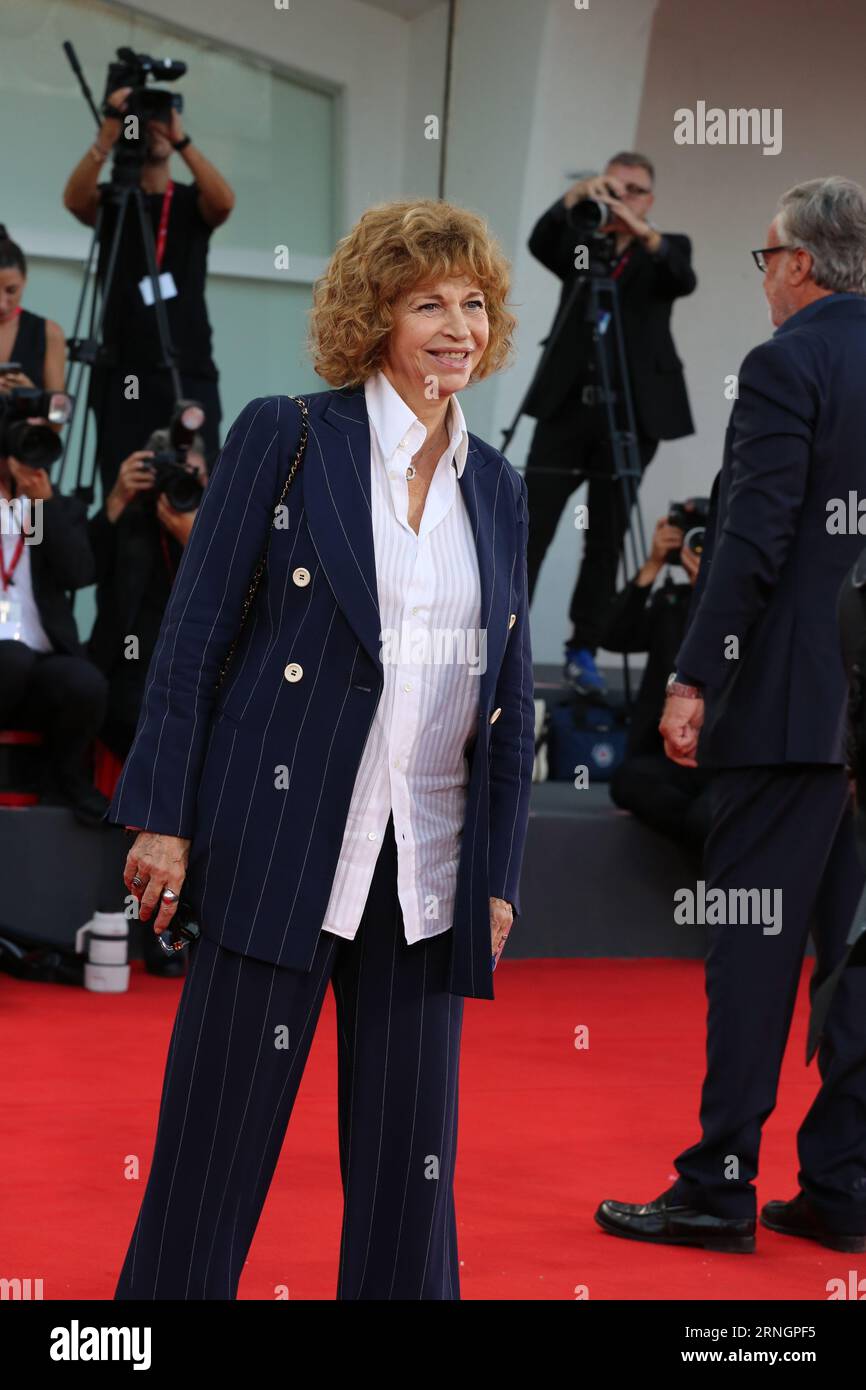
column 582, row 673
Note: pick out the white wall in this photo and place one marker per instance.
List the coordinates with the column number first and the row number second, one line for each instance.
column 361, row 49
column 806, row 59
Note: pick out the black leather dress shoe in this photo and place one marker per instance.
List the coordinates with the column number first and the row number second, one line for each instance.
column 799, row 1218
column 666, row 1222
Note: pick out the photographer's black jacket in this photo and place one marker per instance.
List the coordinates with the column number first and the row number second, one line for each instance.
column 62, row 561
column 133, row 587
column 648, row 287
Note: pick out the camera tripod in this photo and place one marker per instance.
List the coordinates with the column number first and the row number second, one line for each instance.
column 123, row 190
column 595, row 295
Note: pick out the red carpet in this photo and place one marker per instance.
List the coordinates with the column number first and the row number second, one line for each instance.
column 546, row 1132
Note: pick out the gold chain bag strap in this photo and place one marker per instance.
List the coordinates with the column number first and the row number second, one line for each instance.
column 259, row 570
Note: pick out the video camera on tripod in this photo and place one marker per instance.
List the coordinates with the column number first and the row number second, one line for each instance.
column 591, row 214
column 587, row 217
column 143, row 104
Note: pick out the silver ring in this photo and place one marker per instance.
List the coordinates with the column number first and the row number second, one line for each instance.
column 169, row 896
column 137, row 881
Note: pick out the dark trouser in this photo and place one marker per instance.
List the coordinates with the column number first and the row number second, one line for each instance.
column 63, row 696
column 671, row 799
column 788, row 828
column 124, row 425
column 228, row 1095
column 577, row 444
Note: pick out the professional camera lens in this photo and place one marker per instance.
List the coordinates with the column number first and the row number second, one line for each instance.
column 590, row 214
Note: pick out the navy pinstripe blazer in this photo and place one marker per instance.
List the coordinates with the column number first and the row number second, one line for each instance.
column 206, row 765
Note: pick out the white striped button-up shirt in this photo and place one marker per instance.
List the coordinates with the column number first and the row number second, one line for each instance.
column 413, row 762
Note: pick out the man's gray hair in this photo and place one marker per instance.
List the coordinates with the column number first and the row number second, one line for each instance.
column 827, row 217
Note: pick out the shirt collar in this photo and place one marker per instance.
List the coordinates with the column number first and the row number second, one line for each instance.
column 394, row 421
column 809, row 310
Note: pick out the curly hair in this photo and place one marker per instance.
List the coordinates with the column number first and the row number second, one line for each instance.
column 393, row 248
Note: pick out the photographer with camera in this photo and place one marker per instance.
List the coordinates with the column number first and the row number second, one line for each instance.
column 46, row 681
column 138, row 538
column 671, row 799
column 182, row 216
column 32, row 348
column 606, row 215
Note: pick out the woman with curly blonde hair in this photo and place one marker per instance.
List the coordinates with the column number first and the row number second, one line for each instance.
column 349, row 804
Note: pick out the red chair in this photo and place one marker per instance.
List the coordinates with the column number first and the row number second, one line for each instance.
column 20, row 767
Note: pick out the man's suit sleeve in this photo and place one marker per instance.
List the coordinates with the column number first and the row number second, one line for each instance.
column 703, row 572
column 157, row 788
column 772, row 435
column 513, row 740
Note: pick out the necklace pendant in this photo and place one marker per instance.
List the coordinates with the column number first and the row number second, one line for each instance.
column 410, row 471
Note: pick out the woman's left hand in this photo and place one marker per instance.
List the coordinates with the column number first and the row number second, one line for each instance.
column 501, row 920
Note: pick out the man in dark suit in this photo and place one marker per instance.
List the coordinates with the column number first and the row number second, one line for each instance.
column 760, row 693
column 571, row 441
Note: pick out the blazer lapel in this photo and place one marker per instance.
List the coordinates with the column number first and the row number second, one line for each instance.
column 339, row 511
column 487, row 501
column 340, row 520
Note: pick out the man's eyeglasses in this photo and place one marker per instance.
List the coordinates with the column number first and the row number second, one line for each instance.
column 760, row 257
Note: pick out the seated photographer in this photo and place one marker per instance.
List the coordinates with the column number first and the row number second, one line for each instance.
column 32, row 348
column 46, row 681
column 665, row 796
column 138, row 538
column 605, row 216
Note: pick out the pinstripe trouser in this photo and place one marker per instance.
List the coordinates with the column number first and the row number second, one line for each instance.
column 240, row 1041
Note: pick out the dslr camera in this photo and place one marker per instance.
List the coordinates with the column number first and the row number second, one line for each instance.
column 691, row 518
column 182, row 488
column 26, row 416
column 589, row 215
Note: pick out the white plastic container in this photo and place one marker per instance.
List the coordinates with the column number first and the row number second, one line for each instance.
column 106, row 939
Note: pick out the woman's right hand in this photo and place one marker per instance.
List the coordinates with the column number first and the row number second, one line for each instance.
column 132, row 478
column 158, row 862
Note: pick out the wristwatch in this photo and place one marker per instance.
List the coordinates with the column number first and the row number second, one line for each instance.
column 686, row 692
column 182, row 144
